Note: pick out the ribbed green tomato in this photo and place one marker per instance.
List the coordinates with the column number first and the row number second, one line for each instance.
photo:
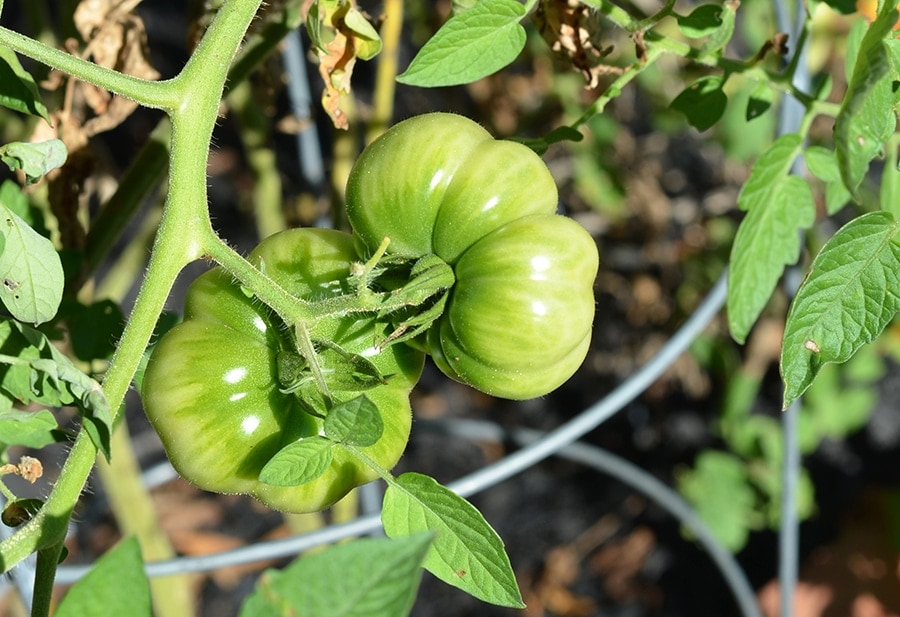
column 213, row 392
column 518, row 320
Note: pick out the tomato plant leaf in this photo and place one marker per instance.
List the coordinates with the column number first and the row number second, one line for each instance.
column 371, row 577
column 471, row 45
column 34, row 159
column 889, row 193
column 94, row 329
column 702, row 102
column 866, row 118
column 759, row 102
column 466, row 553
column 822, row 164
column 702, row 21
column 561, row 133
column 851, row 293
column 12, row 197
column 720, row 37
column 368, row 43
column 777, row 204
column 719, row 490
column 33, row 370
column 356, row 422
column 299, row 462
column 116, row 585
column 31, row 273
column 32, row 429
column 18, row 90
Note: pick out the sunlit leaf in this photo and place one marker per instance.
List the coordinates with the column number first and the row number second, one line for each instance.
column 471, row 45
column 702, row 102
column 851, row 293
column 466, row 553
column 778, row 205
column 115, row 585
column 364, row 578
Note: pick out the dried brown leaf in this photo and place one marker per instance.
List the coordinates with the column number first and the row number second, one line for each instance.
column 572, row 31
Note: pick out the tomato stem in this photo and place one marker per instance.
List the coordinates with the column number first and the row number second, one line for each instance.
column 307, row 350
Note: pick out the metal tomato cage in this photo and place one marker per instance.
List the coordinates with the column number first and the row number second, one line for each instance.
column 536, row 446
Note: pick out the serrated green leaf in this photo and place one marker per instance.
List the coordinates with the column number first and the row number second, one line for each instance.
column 851, row 293
column 32, row 429
column 836, row 197
column 116, row 585
column 702, row 102
column 33, row 370
column 866, row 118
column 466, row 553
column 31, row 273
column 702, row 21
column 889, row 194
column 299, row 462
column 356, row 422
column 34, row 159
column 778, row 205
column 720, row 491
column 822, row 164
column 372, row 577
column 471, row 45
column 18, row 90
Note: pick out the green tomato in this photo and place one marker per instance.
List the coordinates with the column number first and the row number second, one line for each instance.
column 215, row 388
column 518, row 320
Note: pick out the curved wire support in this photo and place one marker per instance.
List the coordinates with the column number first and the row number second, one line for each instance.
column 505, row 468
column 627, row 473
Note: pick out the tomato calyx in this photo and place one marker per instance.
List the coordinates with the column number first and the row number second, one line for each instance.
column 408, row 294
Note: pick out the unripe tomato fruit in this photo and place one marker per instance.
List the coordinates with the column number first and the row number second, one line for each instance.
column 213, row 393
column 518, row 319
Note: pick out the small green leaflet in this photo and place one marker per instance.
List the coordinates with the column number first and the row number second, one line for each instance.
column 720, row 491
column 31, row 273
column 467, row 553
column 866, row 118
column 372, row 577
column 889, row 193
column 560, row 133
column 471, row 45
column 299, row 462
column 367, row 41
column 356, row 422
column 777, row 205
column 32, row 429
column 37, row 372
column 703, row 102
column 35, row 159
column 116, row 585
column 822, row 163
column 18, row 90
column 759, row 102
column 851, row 293
column 702, row 21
